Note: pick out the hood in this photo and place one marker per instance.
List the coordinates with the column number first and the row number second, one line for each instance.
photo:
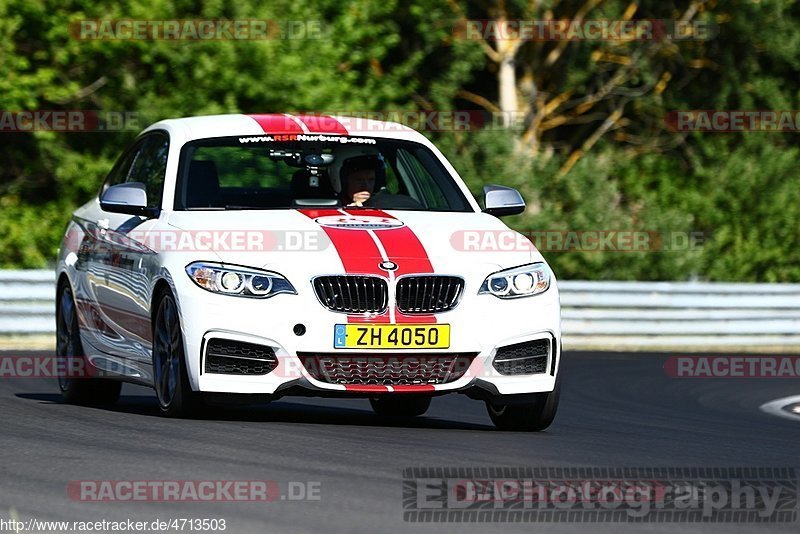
column 329, row 241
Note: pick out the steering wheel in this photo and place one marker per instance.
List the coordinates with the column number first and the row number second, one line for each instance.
column 385, row 200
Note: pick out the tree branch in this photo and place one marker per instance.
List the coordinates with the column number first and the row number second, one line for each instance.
column 591, row 141
column 478, row 99
column 86, row 91
column 556, row 53
column 487, row 48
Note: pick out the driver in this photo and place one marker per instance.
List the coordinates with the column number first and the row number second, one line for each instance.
column 358, row 180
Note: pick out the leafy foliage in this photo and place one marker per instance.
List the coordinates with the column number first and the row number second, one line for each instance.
column 739, row 190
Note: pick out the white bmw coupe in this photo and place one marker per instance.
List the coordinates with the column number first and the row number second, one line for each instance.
column 248, row 257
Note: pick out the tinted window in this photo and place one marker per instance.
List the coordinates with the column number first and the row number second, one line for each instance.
column 245, row 168
column 419, row 181
column 150, row 167
column 122, row 168
column 291, row 171
column 146, row 162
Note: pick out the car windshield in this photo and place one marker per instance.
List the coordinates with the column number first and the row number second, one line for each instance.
column 296, row 171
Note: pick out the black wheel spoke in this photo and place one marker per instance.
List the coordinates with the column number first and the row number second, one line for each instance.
column 173, row 377
column 169, row 315
column 162, row 341
column 164, row 381
column 66, row 336
column 175, row 339
column 167, row 350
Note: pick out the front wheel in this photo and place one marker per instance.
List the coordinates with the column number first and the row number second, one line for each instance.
column 73, row 381
column 400, row 406
column 528, row 417
column 170, row 376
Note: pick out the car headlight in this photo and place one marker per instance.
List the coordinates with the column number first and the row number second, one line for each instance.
column 518, row 282
column 238, row 281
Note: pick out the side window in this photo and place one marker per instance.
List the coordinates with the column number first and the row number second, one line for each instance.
column 145, row 162
column 392, row 183
column 122, row 168
column 149, row 167
column 421, row 184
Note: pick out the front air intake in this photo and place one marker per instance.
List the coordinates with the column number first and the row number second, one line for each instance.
column 386, row 369
column 228, row 357
column 527, row 358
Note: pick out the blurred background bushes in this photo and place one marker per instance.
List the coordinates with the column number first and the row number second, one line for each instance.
column 591, row 151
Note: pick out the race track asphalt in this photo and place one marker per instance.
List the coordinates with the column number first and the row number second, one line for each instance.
column 617, row 410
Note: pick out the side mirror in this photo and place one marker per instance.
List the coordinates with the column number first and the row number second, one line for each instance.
column 499, row 201
column 129, row 198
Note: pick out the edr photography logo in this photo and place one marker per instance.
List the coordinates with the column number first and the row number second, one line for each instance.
column 594, row 494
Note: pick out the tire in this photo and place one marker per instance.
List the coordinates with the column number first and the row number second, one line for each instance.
column 170, row 376
column 393, row 406
column 80, row 390
column 529, row 417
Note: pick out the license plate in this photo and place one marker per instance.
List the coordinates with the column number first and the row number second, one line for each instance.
column 391, row 336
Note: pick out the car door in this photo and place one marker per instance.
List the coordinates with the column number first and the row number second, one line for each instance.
column 122, row 264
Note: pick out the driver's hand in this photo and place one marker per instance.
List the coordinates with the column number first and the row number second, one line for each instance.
column 361, row 197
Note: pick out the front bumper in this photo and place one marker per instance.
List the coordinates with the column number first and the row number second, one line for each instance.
column 479, row 325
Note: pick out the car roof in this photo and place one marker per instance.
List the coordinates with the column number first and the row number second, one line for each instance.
column 208, row 126
column 184, row 130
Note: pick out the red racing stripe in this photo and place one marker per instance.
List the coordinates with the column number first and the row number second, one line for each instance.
column 277, row 124
column 404, row 248
column 322, row 212
column 357, row 251
column 360, row 255
column 402, row 243
column 356, row 388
